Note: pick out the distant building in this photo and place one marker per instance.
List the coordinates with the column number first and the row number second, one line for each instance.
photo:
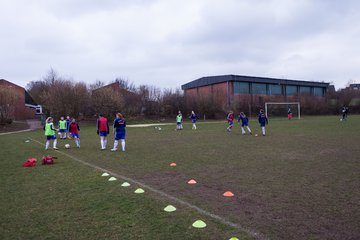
column 355, row 86
column 21, row 112
column 230, row 88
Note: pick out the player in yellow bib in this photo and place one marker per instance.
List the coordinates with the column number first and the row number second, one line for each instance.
column 179, row 121
column 50, row 133
column 62, row 128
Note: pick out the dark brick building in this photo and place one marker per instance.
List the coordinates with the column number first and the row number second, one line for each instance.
column 21, row 112
column 228, row 89
column 355, row 86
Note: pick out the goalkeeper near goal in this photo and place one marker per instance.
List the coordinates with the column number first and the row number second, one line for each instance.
column 263, row 120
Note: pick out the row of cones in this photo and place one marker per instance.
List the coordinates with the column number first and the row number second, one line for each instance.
column 197, row 223
column 192, row 182
column 124, row 184
column 169, row 208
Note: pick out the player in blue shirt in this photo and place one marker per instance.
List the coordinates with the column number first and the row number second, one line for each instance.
column 263, row 120
column 193, row 118
column 119, row 132
column 244, row 122
column 68, row 133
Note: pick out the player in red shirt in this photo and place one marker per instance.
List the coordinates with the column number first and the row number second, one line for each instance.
column 102, row 130
column 230, row 119
column 74, row 129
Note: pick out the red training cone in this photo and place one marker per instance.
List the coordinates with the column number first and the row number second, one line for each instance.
column 228, row 194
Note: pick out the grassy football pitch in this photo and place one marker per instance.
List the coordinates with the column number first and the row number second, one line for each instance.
column 301, row 181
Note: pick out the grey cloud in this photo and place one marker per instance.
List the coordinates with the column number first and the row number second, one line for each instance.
column 168, row 43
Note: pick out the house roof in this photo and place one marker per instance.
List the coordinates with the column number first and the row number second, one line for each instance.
column 204, row 81
column 116, row 87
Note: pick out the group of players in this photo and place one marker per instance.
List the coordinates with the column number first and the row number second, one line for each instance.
column 262, row 118
column 66, row 128
column 70, row 128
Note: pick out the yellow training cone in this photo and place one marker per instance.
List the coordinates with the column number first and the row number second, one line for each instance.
column 170, row 208
column 125, row 184
column 199, row 224
column 139, row 190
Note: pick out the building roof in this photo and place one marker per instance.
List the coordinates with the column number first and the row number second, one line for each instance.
column 204, row 81
column 5, row 82
column 116, row 87
column 357, row 85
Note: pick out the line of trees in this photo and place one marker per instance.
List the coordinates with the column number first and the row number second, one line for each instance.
column 63, row 96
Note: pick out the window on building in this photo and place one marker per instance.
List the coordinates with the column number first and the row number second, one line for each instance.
column 275, row 89
column 318, row 91
column 241, row 87
column 305, row 90
column 258, row 88
column 291, row 90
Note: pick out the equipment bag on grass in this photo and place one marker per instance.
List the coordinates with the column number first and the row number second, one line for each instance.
column 47, row 160
column 30, row 162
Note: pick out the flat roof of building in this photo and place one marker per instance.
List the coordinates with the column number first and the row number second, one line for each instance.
column 204, row 81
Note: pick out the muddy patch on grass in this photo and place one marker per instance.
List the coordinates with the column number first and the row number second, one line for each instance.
column 275, row 217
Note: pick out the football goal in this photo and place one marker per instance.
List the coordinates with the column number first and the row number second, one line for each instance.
column 280, row 109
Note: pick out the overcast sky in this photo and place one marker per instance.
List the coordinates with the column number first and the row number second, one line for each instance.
column 168, row 43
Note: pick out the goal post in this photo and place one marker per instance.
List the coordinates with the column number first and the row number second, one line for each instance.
column 282, row 108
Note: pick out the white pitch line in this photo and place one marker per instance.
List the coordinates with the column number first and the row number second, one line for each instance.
column 20, row 131
column 252, row 233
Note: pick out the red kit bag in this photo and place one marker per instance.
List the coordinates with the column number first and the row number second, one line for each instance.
column 46, row 160
column 30, row 162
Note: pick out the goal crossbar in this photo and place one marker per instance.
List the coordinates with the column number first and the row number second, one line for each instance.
column 282, row 103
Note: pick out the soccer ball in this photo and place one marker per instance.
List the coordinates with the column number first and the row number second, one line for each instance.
column 340, row 119
column 256, row 135
column 67, row 146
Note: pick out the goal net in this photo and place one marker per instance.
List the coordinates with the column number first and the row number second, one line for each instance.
column 281, row 109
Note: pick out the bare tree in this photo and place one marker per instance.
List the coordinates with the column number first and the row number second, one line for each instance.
column 96, row 85
column 125, row 84
column 107, row 101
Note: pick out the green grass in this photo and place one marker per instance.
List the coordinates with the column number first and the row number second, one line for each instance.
column 301, row 181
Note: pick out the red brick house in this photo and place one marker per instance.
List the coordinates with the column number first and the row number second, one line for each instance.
column 21, row 112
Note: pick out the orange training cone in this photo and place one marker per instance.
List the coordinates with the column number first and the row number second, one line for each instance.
column 228, row 194
column 173, row 164
column 192, row 181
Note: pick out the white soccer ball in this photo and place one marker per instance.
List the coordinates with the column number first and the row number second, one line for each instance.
column 67, row 146
column 256, row 135
column 159, row 128
column 340, row 119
